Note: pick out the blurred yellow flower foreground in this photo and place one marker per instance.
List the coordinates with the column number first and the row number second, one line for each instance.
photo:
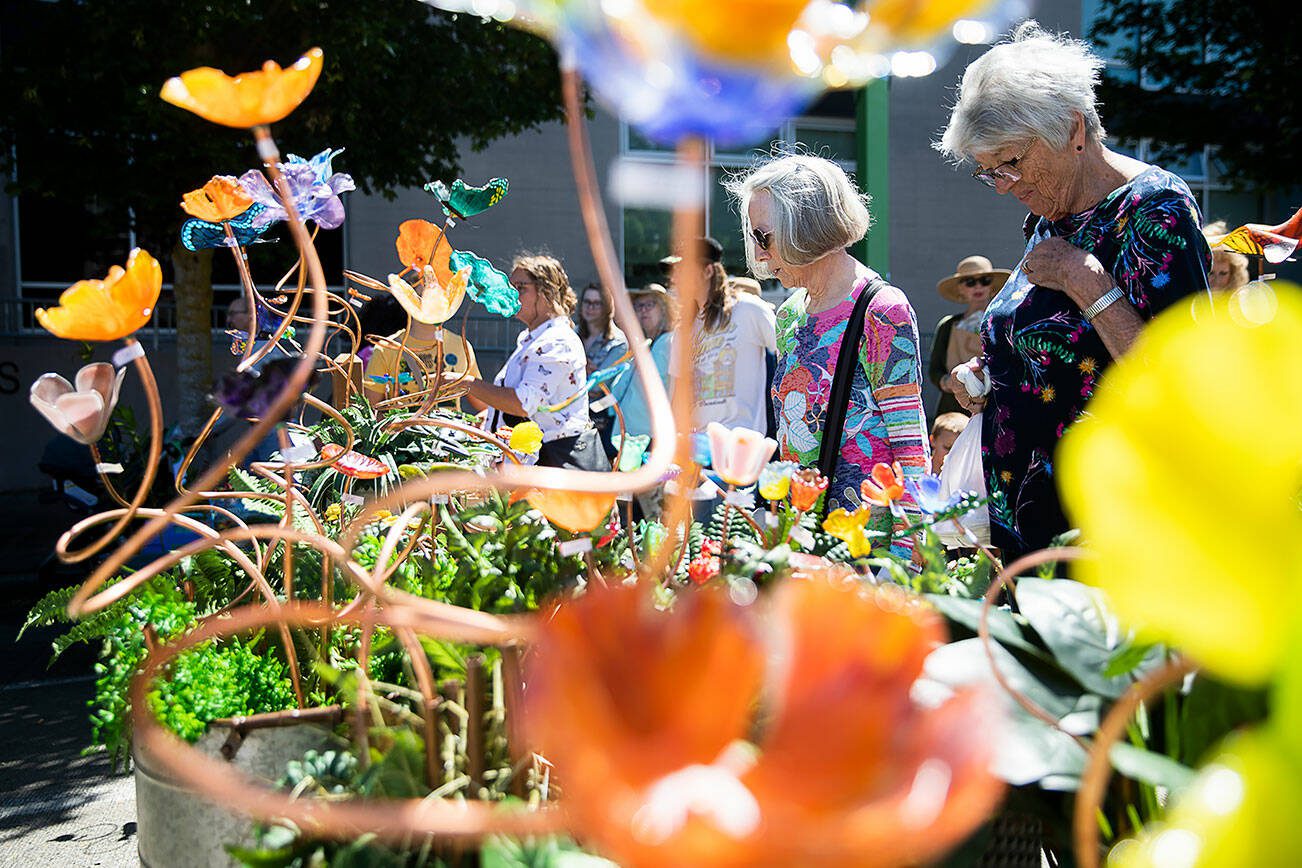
column 1185, row 481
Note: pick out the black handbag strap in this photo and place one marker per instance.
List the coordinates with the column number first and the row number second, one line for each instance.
column 839, row 400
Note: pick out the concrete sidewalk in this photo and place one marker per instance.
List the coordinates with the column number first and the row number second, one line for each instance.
column 57, row 807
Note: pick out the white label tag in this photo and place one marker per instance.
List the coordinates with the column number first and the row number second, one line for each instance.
column 802, row 536
column 604, row 403
column 439, row 498
column 572, row 547
column 296, row 454
column 107, row 468
column 624, row 497
column 128, row 354
column 745, row 499
column 267, row 149
column 771, row 519
column 352, row 500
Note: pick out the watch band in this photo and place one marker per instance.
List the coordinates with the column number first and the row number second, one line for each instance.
column 1104, row 301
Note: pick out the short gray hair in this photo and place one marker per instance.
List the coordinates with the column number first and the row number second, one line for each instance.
column 1030, row 86
column 817, row 208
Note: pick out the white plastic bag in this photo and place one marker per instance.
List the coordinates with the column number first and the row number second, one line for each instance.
column 963, row 472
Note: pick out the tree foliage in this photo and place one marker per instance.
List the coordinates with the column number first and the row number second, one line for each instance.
column 1215, row 72
column 404, row 87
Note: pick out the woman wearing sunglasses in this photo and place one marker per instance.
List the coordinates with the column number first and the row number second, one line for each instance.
column 1111, row 242
column 799, row 214
column 973, row 283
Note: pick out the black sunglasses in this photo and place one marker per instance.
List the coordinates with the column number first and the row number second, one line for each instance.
column 762, row 239
column 970, row 282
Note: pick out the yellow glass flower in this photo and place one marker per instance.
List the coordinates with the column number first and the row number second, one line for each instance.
column 712, row 27
column 1184, row 479
column 436, row 302
column 849, row 527
column 221, row 199
column 1240, row 812
column 526, row 438
column 108, row 309
column 247, row 100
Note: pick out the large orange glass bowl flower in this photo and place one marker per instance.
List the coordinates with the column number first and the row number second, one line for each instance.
column 222, row 198
column 108, row 309
column 249, row 99
column 776, row 735
column 713, row 27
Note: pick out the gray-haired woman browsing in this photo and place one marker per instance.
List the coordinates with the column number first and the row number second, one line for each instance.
column 1111, row 241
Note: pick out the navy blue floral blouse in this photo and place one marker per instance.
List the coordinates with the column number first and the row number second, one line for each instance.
column 1044, row 360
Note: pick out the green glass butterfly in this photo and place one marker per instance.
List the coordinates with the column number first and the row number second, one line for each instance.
column 461, row 201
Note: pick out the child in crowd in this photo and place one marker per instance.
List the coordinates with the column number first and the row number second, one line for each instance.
column 944, row 431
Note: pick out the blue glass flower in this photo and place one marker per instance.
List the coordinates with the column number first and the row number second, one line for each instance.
column 320, row 164
column 315, row 196
column 678, row 93
column 926, row 493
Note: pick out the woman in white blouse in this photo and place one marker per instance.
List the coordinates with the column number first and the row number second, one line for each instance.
column 545, row 378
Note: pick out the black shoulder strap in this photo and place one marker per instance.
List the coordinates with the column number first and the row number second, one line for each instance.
column 839, row 400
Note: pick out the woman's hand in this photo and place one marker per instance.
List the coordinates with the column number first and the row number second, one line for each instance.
column 1056, row 264
column 953, row 383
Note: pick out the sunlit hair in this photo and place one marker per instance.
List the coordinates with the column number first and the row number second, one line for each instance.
column 668, row 308
column 608, row 328
column 1237, row 262
column 816, row 208
column 952, row 422
column 719, row 298
column 1031, row 86
column 550, row 277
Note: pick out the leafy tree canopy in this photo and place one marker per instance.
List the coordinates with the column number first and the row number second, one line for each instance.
column 1216, row 72
column 402, row 87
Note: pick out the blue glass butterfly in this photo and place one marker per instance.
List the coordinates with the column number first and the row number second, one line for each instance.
column 199, row 234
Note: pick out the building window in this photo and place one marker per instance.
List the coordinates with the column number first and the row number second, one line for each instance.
column 646, row 232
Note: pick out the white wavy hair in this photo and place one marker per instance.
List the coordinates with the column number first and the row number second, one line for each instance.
column 1032, row 85
column 817, row 208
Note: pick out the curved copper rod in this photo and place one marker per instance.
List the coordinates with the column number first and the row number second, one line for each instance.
column 1098, row 766
column 664, row 435
column 307, row 242
column 1005, row 579
column 86, row 599
column 208, row 539
column 193, row 451
column 150, row 385
column 391, row 819
column 246, row 283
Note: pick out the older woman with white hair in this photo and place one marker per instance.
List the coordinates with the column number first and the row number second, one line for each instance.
column 1111, row 242
column 799, row 214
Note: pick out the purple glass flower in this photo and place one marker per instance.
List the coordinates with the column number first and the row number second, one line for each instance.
column 314, row 189
column 250, row 394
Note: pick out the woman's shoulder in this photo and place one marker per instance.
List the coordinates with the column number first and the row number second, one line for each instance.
column 891, row 303
column 1156, row 184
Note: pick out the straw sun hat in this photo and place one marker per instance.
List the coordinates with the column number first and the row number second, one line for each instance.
column 972, row 266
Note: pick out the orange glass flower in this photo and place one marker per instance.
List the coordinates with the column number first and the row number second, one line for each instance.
column 221, row 199
column 247, row 100
column 415, row 243
column 778, row 734
column 884, row 485
column 353, row 464
column 576, row 511
column 108, row 309
column 806, row 485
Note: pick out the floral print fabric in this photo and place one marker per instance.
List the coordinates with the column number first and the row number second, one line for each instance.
column 547, row 369
column 884, row 421
column 1044, row 360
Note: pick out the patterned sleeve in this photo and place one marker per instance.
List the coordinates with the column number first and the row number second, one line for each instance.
column 551, row 374
column 890, row 355
column 1163, row 255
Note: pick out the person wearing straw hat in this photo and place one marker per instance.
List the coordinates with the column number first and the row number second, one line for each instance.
column 958, row 336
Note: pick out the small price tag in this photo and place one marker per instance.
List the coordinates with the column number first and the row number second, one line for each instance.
column 439, row 498
column 624, row 497
column 572, row 547
column 107, row 468
column 603, row 403
column 352, row 500
column 296, row 454
column 744, row 499
column 771, row 519
column 802, row 536
column 128, row 354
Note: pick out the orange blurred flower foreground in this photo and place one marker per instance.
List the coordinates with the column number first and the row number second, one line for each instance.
column 575, row 511
column 108, row 309
column 780, row 734
column 221, row 199
column 247, row 100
